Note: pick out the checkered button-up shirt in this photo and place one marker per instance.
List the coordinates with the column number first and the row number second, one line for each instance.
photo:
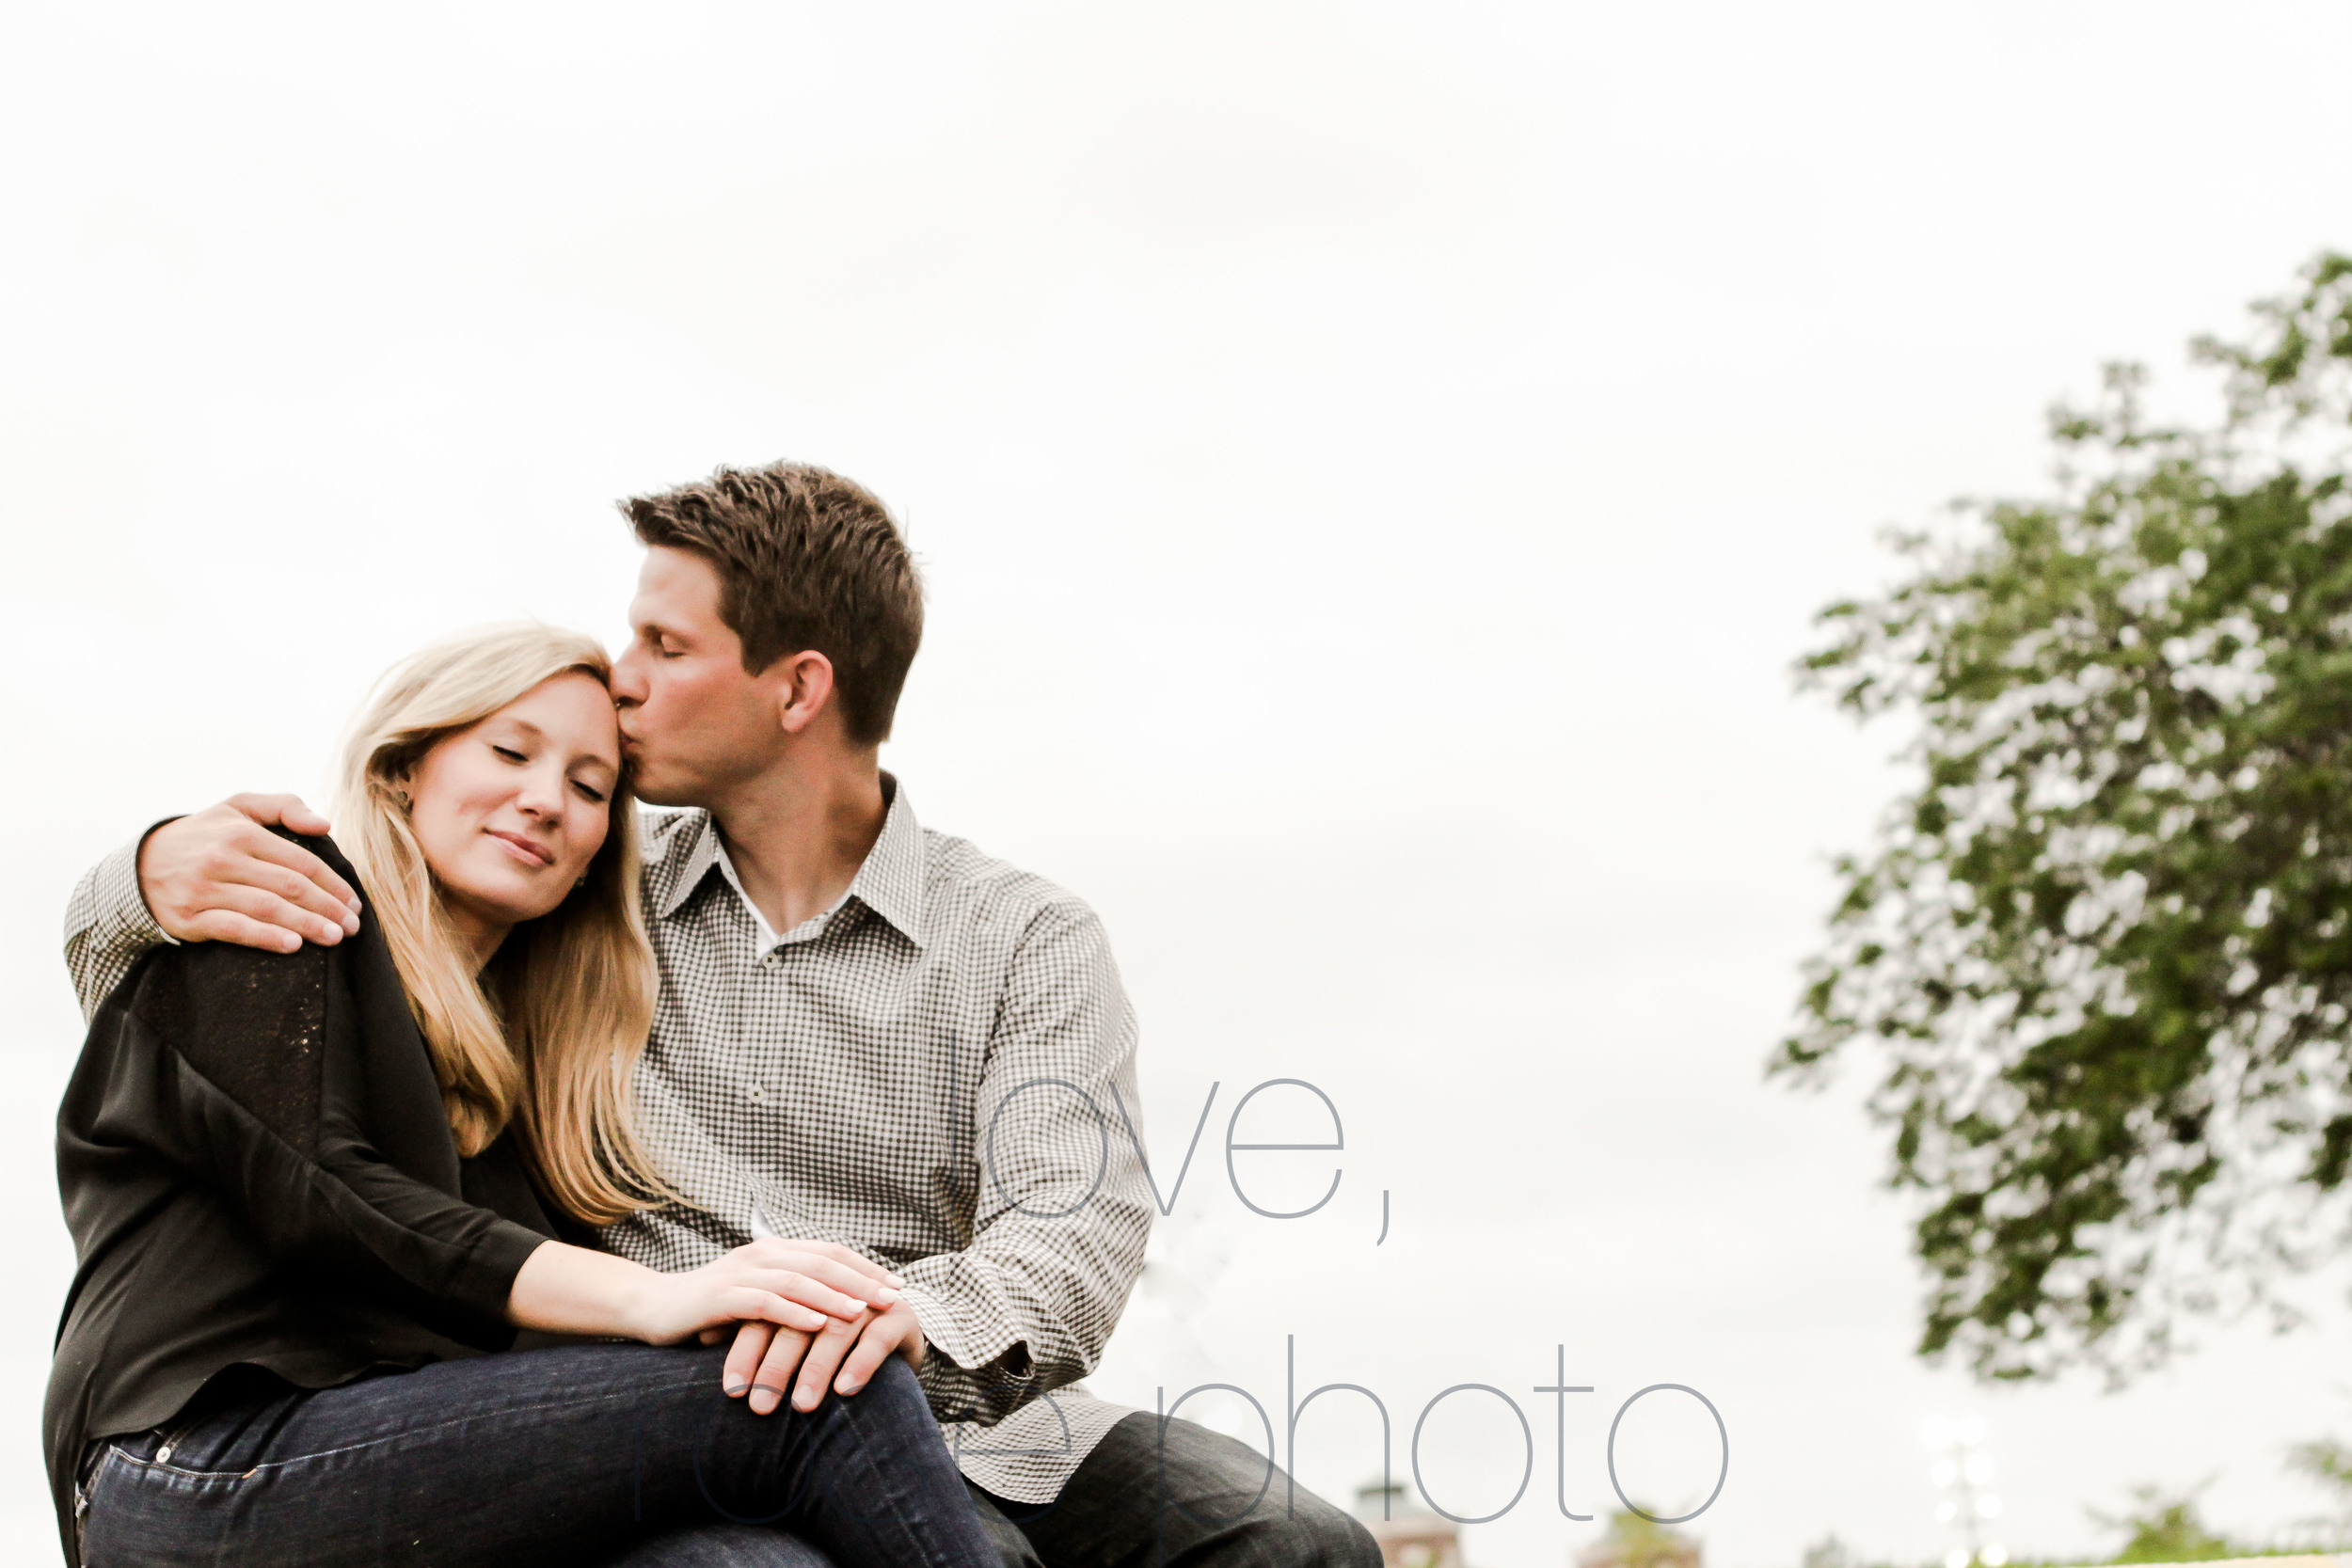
column 938, row 1072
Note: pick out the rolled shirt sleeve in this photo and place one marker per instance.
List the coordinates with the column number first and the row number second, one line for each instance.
column 1063, row 1210
column 108, row 926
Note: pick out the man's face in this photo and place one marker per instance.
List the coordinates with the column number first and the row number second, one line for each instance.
column 694, row 722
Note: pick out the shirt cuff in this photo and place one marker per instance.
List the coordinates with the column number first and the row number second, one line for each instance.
column 995, row 1356
column 122, row 916
column 948, row 1332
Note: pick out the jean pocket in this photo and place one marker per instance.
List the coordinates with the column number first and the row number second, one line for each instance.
column 168, row 1439
column 178, row 1446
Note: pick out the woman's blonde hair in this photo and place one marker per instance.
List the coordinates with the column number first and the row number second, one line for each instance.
column 545, row 1037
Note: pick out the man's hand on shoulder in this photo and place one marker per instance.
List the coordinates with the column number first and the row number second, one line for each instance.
column 222, row 876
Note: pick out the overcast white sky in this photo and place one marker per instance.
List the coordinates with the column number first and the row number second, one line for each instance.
column 1374, row 464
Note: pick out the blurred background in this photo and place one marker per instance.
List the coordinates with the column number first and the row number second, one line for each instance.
column 1374, row 467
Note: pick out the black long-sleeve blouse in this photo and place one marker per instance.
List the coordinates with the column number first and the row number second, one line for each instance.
column 257, row 1168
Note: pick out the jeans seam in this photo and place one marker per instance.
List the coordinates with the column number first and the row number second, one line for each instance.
column 631, row 1395
column 866, row 1457
column 85, row 1486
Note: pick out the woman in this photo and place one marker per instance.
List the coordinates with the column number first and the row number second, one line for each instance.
column 309, row 1189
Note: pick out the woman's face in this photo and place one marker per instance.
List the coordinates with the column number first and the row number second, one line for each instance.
column 509, row 811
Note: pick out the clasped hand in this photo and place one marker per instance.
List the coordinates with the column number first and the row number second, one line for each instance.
column 843, row 1316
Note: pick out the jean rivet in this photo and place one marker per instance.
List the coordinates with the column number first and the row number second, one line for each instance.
column 163, row 1455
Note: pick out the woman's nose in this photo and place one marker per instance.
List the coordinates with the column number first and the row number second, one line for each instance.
column 542, row 795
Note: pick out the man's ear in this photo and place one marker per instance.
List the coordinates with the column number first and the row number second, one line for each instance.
column 804, row 691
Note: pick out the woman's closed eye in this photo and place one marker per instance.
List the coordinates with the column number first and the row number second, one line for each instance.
column 508, row 754
column 589, row 792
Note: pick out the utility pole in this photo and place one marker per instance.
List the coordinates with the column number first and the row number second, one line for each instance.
column 1962, row 1472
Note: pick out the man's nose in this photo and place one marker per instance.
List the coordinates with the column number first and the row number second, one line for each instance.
column 628, row 682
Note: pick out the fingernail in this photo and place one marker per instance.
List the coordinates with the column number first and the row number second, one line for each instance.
column 803, row 1403
column 763, row 1401
column 736, row 1385
column 351, row 924
column 886, row 1297
column 849, row 1387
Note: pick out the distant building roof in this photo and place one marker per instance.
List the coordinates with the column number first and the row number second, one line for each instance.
column 1412, row 1536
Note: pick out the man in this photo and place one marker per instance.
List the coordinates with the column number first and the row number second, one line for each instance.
column 870, row 1034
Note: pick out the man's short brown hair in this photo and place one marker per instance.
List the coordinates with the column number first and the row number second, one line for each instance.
column 806, row 559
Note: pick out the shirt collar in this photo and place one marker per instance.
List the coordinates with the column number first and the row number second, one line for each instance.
column 764, row 939
column 890, row 882
column 701, row 847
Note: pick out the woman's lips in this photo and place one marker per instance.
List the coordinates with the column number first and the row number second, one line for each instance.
column 522, row 848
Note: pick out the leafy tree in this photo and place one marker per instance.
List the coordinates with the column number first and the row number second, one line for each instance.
column 2329, row 1464
column 2163, row 1527
column 1828, row 1552
column 2104, row 951
column 1635, row 1542
column 2325, row 1460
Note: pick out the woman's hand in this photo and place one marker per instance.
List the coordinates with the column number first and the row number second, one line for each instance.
column 814, row 1284
column 822, row 1260
column 794, row 1285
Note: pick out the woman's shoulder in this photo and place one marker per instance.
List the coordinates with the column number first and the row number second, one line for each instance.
column 193, row 990
column 222, row 978
column 253, row 1021
column 218, row 1004
column 251, row 1024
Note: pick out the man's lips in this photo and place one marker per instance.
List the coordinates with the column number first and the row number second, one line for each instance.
column 522, row 848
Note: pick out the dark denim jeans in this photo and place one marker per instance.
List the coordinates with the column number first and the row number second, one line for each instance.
column 1156, row 1493
column 583, row 1454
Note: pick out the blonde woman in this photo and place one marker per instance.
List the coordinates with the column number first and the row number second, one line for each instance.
column 309, row 1189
